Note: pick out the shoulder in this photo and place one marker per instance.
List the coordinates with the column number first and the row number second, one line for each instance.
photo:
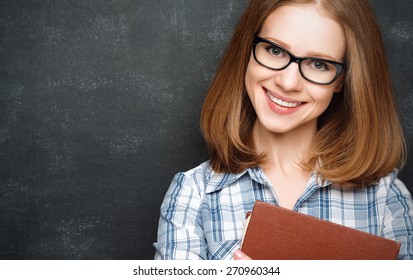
column 189, row 188
column 197, row 177
column 189, row 183
column 392, row 186
column 397, row 222
column 204, row 179
column 396, row 198
column 193, row 182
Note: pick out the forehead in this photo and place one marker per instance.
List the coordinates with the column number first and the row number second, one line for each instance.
column 305, row 29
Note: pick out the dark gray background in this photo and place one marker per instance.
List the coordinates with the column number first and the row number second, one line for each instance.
column 100, row 103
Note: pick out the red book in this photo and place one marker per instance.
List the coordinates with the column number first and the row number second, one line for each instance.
column 276, row 233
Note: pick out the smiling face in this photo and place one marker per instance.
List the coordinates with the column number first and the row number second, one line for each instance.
column 283, row 100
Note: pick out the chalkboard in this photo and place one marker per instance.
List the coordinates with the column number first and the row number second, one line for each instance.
column 100, row 104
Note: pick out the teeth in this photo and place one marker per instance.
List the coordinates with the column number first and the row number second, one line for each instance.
column 281, row 102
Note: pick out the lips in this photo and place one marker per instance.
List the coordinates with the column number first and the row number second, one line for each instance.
column 281, row 102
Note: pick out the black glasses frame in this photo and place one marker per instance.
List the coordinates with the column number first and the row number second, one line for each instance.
column 339, row 66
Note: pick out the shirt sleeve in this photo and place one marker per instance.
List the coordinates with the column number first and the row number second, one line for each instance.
column 180, row 234
column 398, row 218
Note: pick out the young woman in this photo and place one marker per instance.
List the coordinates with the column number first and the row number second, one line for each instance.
column 301, row 114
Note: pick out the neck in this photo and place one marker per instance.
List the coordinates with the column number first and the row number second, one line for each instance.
column 285, row 151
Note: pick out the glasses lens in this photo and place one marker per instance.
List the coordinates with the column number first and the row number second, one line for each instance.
column 318, row 71
column 271, row 56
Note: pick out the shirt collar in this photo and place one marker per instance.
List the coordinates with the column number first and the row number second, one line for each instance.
column 218, row 181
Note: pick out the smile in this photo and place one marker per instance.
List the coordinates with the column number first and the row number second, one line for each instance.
column 280, row 102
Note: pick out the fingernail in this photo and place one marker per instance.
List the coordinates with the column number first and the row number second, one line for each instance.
column 239, row 254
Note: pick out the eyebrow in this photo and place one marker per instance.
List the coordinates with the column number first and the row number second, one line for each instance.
column 309, row 54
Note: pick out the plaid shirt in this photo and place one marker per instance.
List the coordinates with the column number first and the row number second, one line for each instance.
column 203, row 213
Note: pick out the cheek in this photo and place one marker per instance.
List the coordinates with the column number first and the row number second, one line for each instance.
column 253, row 76
column 326, row 101
column 323, row 102
column 321, row 95
column 249, row 79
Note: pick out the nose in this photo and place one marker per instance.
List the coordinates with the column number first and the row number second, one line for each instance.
column 289, row 79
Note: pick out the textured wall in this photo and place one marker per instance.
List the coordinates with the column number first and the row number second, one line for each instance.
column 100, row 101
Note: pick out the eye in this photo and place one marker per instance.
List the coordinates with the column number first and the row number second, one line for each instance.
column 319, row 65
column 275, row 51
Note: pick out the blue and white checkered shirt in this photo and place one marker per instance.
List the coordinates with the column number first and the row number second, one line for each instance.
column 203, row 213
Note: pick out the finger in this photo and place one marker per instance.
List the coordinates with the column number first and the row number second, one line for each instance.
column 239, row 255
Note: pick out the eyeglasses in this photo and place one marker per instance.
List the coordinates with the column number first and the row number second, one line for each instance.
column 316, row 70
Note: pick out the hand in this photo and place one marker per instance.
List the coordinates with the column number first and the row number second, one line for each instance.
column 239, row 255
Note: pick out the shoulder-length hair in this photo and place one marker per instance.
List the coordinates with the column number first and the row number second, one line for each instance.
column 359, row 136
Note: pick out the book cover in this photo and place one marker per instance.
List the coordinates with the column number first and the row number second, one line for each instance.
column 276, row 233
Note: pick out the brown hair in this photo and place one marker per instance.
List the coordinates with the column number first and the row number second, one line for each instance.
column 359, row 138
